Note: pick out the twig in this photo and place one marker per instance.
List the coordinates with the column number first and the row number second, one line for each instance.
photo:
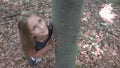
column 12, row 15
column 9, row 16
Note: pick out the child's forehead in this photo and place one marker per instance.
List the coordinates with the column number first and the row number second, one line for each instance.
column 33, row 18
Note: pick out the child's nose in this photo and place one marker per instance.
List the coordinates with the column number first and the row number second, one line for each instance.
column 41, row 26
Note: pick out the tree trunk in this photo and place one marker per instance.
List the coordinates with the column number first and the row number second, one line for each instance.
column 66, row 22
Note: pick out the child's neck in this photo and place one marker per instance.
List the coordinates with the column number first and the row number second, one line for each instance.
column 42, row 39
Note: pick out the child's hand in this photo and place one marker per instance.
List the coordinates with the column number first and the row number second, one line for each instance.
column 52, row 40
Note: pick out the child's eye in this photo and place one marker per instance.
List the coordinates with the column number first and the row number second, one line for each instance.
column 34, row 28
column 39, row 20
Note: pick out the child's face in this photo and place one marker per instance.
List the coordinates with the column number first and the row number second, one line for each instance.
column 37, row 26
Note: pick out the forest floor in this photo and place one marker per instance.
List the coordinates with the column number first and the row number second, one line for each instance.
column 98, row 45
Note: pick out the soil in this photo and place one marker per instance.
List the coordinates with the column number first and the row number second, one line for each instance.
column 99, row 36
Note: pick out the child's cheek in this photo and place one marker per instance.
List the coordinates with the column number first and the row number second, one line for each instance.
column 36, row 32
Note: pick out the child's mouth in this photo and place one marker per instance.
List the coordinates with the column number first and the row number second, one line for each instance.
column 42, row 31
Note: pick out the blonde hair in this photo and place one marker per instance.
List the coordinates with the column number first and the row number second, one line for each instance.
column 27, row 40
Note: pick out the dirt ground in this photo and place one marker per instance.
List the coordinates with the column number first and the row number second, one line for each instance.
column 99, row 42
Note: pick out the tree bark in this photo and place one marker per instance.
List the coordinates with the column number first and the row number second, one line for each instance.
column 66, row 22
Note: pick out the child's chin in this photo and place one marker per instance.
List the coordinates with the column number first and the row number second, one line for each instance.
column 46, row 33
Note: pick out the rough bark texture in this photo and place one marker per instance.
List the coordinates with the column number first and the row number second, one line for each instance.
column 66, row 22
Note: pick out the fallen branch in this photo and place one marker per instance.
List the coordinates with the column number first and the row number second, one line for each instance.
column 6, row 18
column 11, row 15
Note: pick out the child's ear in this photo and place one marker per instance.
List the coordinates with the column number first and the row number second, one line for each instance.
column 49, row 23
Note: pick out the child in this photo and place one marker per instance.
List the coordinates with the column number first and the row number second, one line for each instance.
column 36, row 36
